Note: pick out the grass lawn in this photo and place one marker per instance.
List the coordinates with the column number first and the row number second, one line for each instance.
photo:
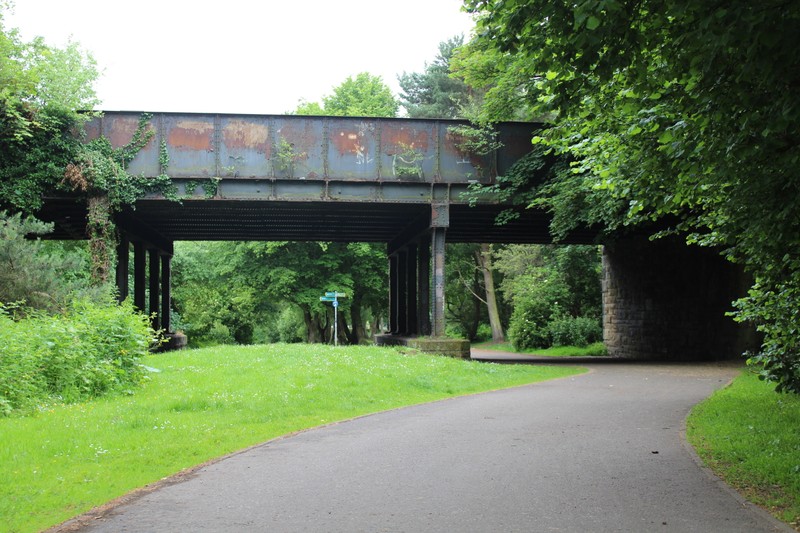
column 207, row 403
column 750, row 437
column 592, row 350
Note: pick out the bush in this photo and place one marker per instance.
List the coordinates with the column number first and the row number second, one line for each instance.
column 574, row 331
column 533, row 313
column 89, row 351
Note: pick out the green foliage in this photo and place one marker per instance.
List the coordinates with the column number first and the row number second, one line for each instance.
column 434, row 93
column 595, row 349
column 100, row 169
column 35, row 163
column 41, row 87
column 215, row 305
column 38, row 82
column 35, row 274
column 285, row 158
column 679, row 111
column 308, row 108
column 534, row 310
column 89, row 351
column 465, row 289
column 555, row 291
column 498, row 82
column 776, row 313
column 286, row 325
column 364, row 95
column 577, row 331
column 238, row 292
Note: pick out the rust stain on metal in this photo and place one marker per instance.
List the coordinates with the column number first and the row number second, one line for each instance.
column 301, row 136
column 191, row 134
column 122, row 129
column 398, row 140
column 347, row 141
column 454, row 142
column 247, row 135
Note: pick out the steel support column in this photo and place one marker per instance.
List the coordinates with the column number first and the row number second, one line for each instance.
column 155, row 287
column 412, row 326
column 123, row 266
column 166, row 292
column 424, row 285
column 437, row 311
column 402, row 292
column 139, row 275
column 393, row 294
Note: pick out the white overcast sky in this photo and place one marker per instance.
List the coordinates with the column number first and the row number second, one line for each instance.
column 240, row 56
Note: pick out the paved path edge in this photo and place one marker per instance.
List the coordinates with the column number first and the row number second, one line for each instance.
column 99, row 512
column 752, row 507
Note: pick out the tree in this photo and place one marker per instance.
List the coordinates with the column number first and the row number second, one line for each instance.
column 364, row 95
column 214, row 302
column 465, row 289
column 555, row 291
column 41, row 90
column 34, row 274
column 676, row 109
column 484, row 259
column 434, row 93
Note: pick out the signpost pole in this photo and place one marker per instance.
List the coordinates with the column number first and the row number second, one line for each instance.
column 333, row 297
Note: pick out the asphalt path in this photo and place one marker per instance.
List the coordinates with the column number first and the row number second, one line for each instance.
column 599, row 452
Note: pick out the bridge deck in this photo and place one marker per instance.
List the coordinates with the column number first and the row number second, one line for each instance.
column 267, row 177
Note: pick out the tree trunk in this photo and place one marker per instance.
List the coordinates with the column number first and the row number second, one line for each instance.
column 312, row 326
column 375, row 326
column 345, row 334
column 359, row 332
column 485, row 262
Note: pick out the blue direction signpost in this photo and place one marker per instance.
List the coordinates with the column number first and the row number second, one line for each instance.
column 333, row 297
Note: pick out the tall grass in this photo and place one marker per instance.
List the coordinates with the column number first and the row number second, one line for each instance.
column 206, row 403
column 750, row 436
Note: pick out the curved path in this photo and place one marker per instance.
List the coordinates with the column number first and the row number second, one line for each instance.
column 598, row 452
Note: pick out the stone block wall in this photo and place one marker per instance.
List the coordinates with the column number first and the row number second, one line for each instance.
column 665, row 300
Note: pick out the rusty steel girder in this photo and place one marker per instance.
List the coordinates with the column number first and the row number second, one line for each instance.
column 312, row 148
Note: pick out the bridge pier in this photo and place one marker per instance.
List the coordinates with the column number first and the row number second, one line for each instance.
column 152, row 276
column 417, row 291
column 665, row 300
column 415, row 265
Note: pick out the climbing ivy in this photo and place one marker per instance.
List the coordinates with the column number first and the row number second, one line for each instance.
column 209, row 186
column 100, row 171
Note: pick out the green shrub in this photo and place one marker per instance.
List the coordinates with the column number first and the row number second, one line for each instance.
column 484, row 333
column 574, row 331
column 87, row 352
column 533, row 313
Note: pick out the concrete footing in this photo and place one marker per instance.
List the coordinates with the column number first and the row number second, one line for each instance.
column 174, row 341
column 439, row 345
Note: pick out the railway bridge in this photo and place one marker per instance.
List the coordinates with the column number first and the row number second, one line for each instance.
column 401, row 182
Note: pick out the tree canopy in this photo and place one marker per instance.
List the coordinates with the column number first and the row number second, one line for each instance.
column 41, row 90
column 672, row 110
column 434, row 93
column 362, row 95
